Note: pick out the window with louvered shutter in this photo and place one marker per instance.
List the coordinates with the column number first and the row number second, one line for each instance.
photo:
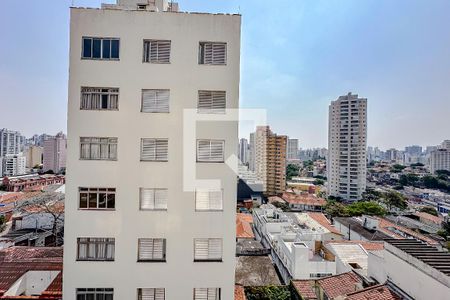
column 150, row 249
column 207, row 249
column 151, row 294
column 208, row 200
column 153, row 199
column 155, row 101
column 207, row 294
column 157, row 51
column 211, row 102
column 154, row 149
column 212, row 53
column 210, row 150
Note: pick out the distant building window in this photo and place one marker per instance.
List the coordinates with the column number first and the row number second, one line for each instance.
column 154, row 149
column 155, row 101
column 150, row 249
column 153, row 199
column 142, row 6
column 151, row 294
column 98, row 148
column 211, row 102
column 96, row 249
column 93, row 98
column 100, row 48
column 207, row 294
column 157, row 51
column 97, row 198
column 210, row 150
column 208, row 200
column 95, row 294
column 207, row 249
column 211, row 53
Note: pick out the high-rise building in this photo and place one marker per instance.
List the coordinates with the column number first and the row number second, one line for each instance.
column 135, row 228
column 440, row 158
column 251, row 152
column 12, row 165
column 243, row 151
column 445, row 144
column 292, row 149
column 347, row 144
column 270, row 160
column 54, row 153
column 10, row 142
column 414, row 150
column 34, row 156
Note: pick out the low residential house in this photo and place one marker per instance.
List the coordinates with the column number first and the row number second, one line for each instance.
column 244, row 228
column 430, row 220
column 294, row 240
column 31, row 273
column 239, row 293
column 31, row 182
column 304, row 202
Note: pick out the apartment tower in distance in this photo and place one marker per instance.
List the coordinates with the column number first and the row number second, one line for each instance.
column 133, row 230
column 54, row 153
column 270, row 159
column 347, row 143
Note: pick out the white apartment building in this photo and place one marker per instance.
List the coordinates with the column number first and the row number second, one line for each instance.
column 251, row 152
column 243, row 151
column 33, row 155
column 12, row 165
column 55, row 153
column 133, row 229
column 9, row 142
column 440, row 160
column 292, row 149
column 347, row 143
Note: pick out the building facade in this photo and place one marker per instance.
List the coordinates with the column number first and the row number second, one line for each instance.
column 10, row 142
column 12, row 165
column 55, row 152
column 347, row 144
column 243, row 151
column 440, row 160
column 292, row 149
column 34, row 156
column 136, row 68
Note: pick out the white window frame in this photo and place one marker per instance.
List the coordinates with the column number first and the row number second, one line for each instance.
column 155, row 201
column 96, row 292
column 152, row 241
column 111, row 143
column 203, row 58
column 98, row 191
column 211, row 102
column 91, row 98
column 159, row 44
column 92, row 38
column 207, row 293
column 151, row 294
column 210, row 156
column 211, row 194
column 106, row 245
column 159, row 142
column 157, row 104
column 208, row 245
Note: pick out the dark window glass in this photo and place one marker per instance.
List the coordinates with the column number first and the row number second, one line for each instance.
column 92, row 200
column 104, row 101
column 114, row 48
column 83, row 200
column 90, row 297
column 96, row 49
column 111, row 201
column 87, row 47
column 108, row 297
column 81, row 297
column 106, row 48
column 101, row 200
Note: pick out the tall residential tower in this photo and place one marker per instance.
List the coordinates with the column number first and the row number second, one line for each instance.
column 136, row 228
column 347, row 143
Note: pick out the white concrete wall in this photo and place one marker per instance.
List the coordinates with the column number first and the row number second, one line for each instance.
column 180, row 224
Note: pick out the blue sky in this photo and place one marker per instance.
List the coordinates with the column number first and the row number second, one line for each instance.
column 297, row 56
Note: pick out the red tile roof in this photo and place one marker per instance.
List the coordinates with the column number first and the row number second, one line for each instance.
column 306, row 199
column 322, row 220
column 385, row 227
column 376, row 292
column 305, row 288
column 429, row 217
column 239, row 293
column 243, row 226
column 14, row 197
column 339, row 285
column 368, row 246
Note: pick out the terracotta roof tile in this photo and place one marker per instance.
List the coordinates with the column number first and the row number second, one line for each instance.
column 243, row 226
column 306, row 199
column 376, row 292
column 305, row 288
column 385, row 227
column 429, row 217
column 322, row 220
column 239, row 293
column 339, row 285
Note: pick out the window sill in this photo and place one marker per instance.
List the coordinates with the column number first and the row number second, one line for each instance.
column 95, row 260
column 155, row 209
column 98, row 159
column 200, row 64
column 101, row 59
column 208, row 260
column 151, row 261
column 208, row 210
column 156, row 62
column 210, row 162
column 154, row 160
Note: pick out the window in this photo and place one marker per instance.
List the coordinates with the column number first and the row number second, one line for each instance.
column 151, row 294
column 97, row 198
column 155, row 101
column 208, row 200
column 207, row 294
column 100, row 48
column 152, row 249
column 210, row 150
column 98, row 148
column 157, row 51
column 154, row 149
column 95, row 294
column 212, row 53
column 95, row 98
column 153, row 199
column 96, row 249
column 207, row 249
column 211, row 102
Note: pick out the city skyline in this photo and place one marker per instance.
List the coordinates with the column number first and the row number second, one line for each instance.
column 387, row 65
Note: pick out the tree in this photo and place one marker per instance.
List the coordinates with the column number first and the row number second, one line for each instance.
column 408, row 179
column 51, row 203
column 443, row 172
column 319, row 181
column 429, row 210
column 395, row 199
column 270, row 292
column 336, row 209
column 397, row 168
column 366, row 208
column 291, row 171
column 282, row 205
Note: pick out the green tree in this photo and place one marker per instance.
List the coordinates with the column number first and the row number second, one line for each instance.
column 291, row 171
column 397, row 168
column 283, row 205
column 319, row 181
column 408, row 179
column 395, row 199
column 429, row 210
column 336, row 209
column 366, row 208
column 267, row 293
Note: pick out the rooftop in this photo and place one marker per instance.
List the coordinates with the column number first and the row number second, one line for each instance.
column 376, row 292
column 341, row 284
column 368, row 246
column 243, row 226
column 429, row 217
column 305, row 288
column 239, row 293
column 256, row 271
column 356, row 226
column 306, row 199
